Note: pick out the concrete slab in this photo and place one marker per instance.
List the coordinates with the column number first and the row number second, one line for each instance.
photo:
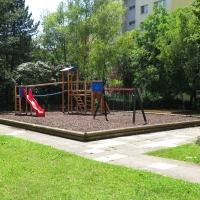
column 93, row 151
column 106, row 143
column 162, row 166
column 165, row 143
column 110, row 157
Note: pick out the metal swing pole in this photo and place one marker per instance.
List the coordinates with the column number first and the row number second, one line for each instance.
column 141, row 106
column 105, row 103
column 102, row 94
column 134, row 105
column 123, row 104
column 136, row 93
column 112, row 94
column 129, row 103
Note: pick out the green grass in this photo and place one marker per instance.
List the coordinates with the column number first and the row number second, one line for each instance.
column 33, row 171
column 187, row 152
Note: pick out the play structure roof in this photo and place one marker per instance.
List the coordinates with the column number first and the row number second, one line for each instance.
column 69, row 68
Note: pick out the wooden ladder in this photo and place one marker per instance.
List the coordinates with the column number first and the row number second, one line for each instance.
column 79, row 100
column 17, row 105
column 88, row 99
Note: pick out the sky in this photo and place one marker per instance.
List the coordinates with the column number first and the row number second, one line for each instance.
column 36, row 7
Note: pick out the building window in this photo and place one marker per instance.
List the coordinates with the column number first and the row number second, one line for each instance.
column 131, row 7
column 144, row 9
column 160, row 3
column 131, row 23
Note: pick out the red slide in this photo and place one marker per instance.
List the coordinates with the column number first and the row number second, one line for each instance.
column 33, row 103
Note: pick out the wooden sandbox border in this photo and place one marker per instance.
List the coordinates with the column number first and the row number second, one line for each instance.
column 98, row 135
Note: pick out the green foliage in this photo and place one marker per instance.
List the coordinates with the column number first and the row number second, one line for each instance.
column 55, row 37
column 124, row 47
column 196, row 8
column 40, row 53
column 166, row 60
column 115, row 83
column 80, row 29
column 106, row 28
column 83, row 33
column 16, row 32
column 156, row 101
column 149, row 71
column 6, row 89
column 37, row 73
column 179, row 51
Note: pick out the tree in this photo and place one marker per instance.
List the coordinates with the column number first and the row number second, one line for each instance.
column 149, row 71
column 16, row 33
column 54, row 38
column 107, row 23
column 80, row 12
column 6, row 89
column 66, row 32
column 87, row 35
column 124, row 47
column 180, row 51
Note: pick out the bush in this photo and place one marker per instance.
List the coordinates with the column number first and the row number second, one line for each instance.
column 155, row 101
column 115, row 83
column 6, row 90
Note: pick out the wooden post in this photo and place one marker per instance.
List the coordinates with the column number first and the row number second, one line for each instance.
column 15, row 96
column 63, row 95
column 68, row 91
column 77, row 88
column 70, row 103
column 26, row 88
column 134, row 105
column 92, row 102
column 85, row 96
column 17, row 100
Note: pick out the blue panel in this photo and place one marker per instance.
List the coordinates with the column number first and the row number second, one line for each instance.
column 21, row 92
column 74, row 69
column 97, row 86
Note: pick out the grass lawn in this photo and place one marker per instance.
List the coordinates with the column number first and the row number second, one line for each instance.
column 187, row 152
column 33, row 171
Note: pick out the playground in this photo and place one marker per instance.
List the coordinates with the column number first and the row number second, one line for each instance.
column 78, row 96
column 85, row 114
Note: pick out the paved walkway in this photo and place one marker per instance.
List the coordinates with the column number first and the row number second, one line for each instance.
column 128, row 151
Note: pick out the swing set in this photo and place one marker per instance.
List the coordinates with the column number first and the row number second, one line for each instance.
column 132, row 92
column 122, row 95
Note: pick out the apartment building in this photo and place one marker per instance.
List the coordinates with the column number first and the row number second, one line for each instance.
column 137, row 10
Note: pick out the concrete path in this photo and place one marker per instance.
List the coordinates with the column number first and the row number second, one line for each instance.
column 128, row 151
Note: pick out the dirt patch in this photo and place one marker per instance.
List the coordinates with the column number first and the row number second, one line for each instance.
column 86, row 123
